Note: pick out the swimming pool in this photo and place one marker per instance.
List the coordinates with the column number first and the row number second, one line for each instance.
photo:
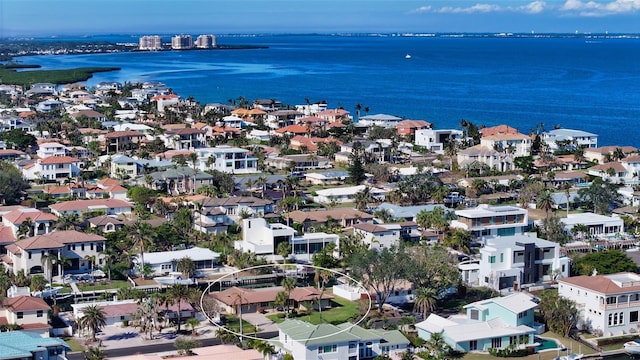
column 547, row 344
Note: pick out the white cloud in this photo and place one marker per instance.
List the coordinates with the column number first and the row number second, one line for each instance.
column 594, row 8
column 534, row 7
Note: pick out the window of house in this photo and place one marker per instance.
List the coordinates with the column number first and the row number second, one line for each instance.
column 496, row 343
column 91, row 248
column 474, row 314
column 492, row 259
column 501, row 257
column 327, row 349
column 29, row 255
column 633, row 316
column 39, row 313
column 19, row 314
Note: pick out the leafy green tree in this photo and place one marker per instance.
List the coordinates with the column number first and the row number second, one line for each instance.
column 459, row 239
column 179, row 293
column 431, row 267
column 94, row 353
column 284, row 250
column 185, row 346
column 524, row 163
column 560, row 314
column 12, row 184
column 186, row 266
column 193, row 323
column 183, row 220
column 604, row 262
column 552, row 229
column 382, row 271
column 18, row 139
column 140, row 194
column 362, row 198
column 356, row 170
column 599, row 196
column 288, row 283
column 93, row 319
column 38, row 283
column 545, row 201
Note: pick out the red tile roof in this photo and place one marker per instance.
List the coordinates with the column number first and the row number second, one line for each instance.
column 84, row 205
column 55, row 240
column 25, row 303
column 294, row 129
column 19, row 216
column 600, row 283
column 53, row 160
column 124, row 133
column 500, row 129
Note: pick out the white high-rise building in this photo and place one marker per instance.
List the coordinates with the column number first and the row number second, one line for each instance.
column 181, row 42
column 150, row 42
column 206, row 41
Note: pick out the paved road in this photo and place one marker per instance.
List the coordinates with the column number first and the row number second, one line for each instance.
column 157, row 348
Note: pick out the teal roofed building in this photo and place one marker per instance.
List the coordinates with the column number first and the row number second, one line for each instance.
column 344, row 341
column 25, row 345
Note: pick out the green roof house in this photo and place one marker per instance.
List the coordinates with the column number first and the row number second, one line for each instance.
column 26, row 345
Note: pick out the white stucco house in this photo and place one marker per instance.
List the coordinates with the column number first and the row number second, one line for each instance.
column 165, row 262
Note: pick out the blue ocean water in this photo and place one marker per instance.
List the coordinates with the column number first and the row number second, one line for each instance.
column 593, row 85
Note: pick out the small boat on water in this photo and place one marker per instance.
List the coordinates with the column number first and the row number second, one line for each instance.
column 632, row 347
column 407, row 56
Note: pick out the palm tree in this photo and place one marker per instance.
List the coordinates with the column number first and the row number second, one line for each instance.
column 192, row 323
column 146, row 315
column 187, row 267
column 545, row 201
column 47, row 259
column 93, row 319
column 425, row 301
column 94, row 353
column 141, row 235
column 437, row 344
column 362, row 198
column 264, row 348
column 179, row 293
column 288, row 284
column 91, row 260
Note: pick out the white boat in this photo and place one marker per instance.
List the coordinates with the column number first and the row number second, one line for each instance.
column 47, row 292
column 173, row 278
column 570, row 357
column 407, row 56
column 632, row 347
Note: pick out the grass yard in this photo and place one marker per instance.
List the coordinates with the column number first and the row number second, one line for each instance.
column 233, row 323
column 106, row 285
column 73, row 344
column 344, row 310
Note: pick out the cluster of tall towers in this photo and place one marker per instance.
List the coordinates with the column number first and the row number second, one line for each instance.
column 178, row 42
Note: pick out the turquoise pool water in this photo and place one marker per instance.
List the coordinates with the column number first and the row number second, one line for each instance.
column 546, row 344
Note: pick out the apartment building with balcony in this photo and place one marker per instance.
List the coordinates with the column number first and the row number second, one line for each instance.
column 486, row 220
column 608, row 305
column 227, row 159
column 150, row 42
column 206, row 42
column 182, row 42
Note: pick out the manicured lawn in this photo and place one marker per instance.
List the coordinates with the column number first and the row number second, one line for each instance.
column 344, row 310
column 114, row 284
column 233, row 323
column 73, row 343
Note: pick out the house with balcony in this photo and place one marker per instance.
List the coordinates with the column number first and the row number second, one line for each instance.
column 378, row 236
column 185, row 138
column 513, row 144
column 165, row 262
column 486, row 220
column 342, row 195
column 435, row 140
column 227, row 159
column 508, row 263
column 381, row 120
column 305, row 341
column 41, row 254
column 228, row 210
column 31, row 313
column 20, row 345
column 605, row 154
column 378, row 151
column 262, row 238
column 608, row 305
column 299, row 162
column 280, row 118
column 48, row 149
column 36, row 221
column 179, row 180
column 599, row 225
column 409, row 127
column 123, row 140
column 493, row 323
column 56, row 168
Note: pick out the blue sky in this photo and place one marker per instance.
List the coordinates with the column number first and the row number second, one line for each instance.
column 91, row 17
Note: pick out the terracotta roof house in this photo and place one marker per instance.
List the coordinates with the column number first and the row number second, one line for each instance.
column 499, row 129
column 295, row 129
column 185, row 139
column 11, row 154
column 31, row 313
column 110, row 206
column 334, row 115
column 254, row 299
column 53, row 168
column 91, row 114
column 409, row 127
column 106, row 223
column 345, row 217
column 27, row 254
column 122, row 140
column 39, row 222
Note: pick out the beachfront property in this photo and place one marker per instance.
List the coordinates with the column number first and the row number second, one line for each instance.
column 181, row 42
column 382, row 120
column 165, row 262
column 41, row 254
column 435, row 140
column 599, row 225
column 347, row 194
column 569, row 139
column 150, row 42
column 493, row 323
column 262, row 238
column 20, row 345
column 508, row 263
column 486, row 220
column 306, row 341
column 607, row 305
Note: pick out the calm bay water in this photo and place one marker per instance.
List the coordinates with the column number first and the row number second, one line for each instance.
column 569, row 82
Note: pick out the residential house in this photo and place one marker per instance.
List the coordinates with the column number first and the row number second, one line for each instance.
column 165, row 262
column 408, row 213
column 305, row 341
column 233, row 208
column 31, row 313
column 569, row 139
column 49, row 105
column 42, row 89
column 89, row 114
column 310, row 144
column 185, row 138
column 381, row 120
column 262, row 238
column 295, row 129
column 181, row 180
column 299, row 163
column 267, row 104
column 106, row 224
column 57, row 168
column 12, row 155
column 123, row 140
column 486, row 220
column 513, row 144
column 234, row 299
column 165, row 100
column 606, row 153
column 496, row 323
column 326, row 178
column 227, row 159
column 479, row 156
column 378, row 236
column 599, row 225
column 608, row 305
column 42, row 253
column 435, row 140
column 513, row 262
column 344, row 217
column 48, row 149
column 333, row 115
column 32, row 221
column 347, row 194
column 109, row 206
column 281, row 118
column 117, row 312
column 20, row 345
column 377, row 151
column 409, row 127
column 312, row 109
